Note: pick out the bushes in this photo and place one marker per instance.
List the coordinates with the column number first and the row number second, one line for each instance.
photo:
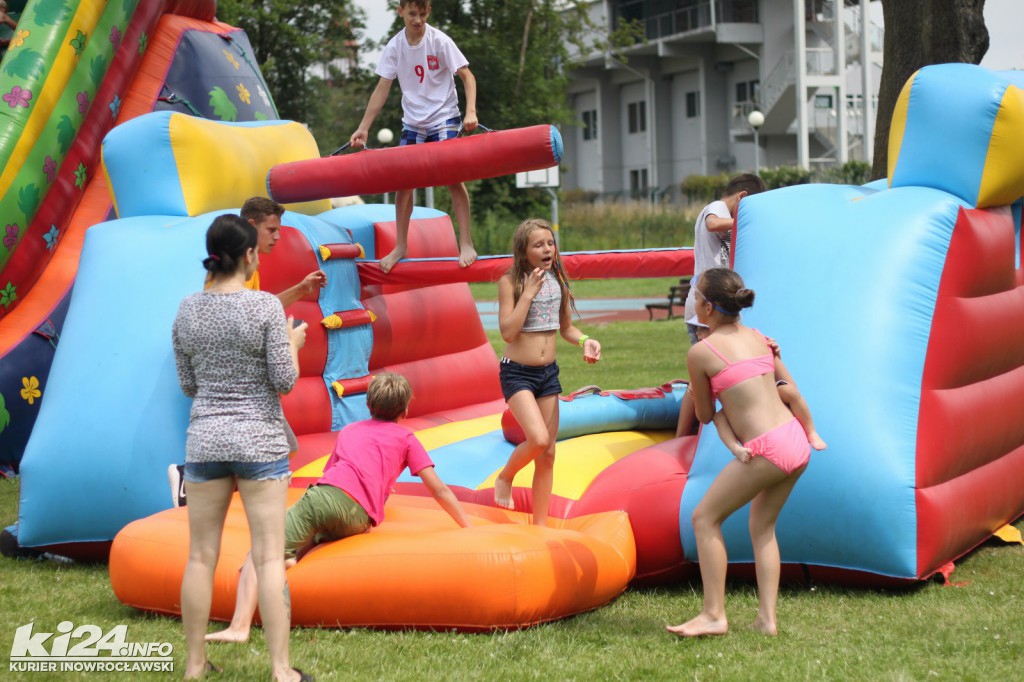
column 706, row 188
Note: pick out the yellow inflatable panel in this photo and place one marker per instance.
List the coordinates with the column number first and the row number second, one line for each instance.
column 1002, row 181
column 220, row 166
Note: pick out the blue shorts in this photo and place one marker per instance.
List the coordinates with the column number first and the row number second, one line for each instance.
column 201, row 472
column 447, row 131
column 540, row 381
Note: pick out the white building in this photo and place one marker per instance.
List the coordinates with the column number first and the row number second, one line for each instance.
column 677, row 103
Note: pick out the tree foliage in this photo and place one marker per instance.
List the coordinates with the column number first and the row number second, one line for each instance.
column 919, row 33
column 289, row 38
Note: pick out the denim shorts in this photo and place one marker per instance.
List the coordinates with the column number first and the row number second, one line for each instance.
column 540, row 381
column 201, row 472
column 448, row 130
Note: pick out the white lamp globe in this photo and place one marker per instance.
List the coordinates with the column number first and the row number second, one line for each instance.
column 385, row 136
column 755, row 119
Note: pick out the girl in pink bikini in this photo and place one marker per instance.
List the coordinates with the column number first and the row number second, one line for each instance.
column 736, row 366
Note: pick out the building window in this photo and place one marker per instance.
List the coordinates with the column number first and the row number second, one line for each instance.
column 741, row 91
column 637, row 117
column 638, row 183
column 692, row 104
column 823, row 101
column 590, row 124
column 755, row 92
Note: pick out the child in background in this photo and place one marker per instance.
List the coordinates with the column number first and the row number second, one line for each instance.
column 712, row 234
column 535, row 302
column 349, row 498
column 788, row 392
column 423, row 60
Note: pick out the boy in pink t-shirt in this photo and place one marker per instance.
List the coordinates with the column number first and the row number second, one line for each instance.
column 349, row 498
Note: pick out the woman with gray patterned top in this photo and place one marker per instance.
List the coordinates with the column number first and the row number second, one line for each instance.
column 235, row 354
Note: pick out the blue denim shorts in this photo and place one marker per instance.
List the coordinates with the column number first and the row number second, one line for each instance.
column 201, row 472
column 540, row 381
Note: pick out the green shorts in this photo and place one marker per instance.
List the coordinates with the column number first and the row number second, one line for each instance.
column 323, row 513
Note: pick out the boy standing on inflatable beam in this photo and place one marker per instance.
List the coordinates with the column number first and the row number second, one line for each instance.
column 423, row 59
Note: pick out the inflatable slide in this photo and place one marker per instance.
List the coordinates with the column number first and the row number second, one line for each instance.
column 75, row 69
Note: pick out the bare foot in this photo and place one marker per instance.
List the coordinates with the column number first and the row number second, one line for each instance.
column 816, row 442
column 229, row 635
column 503, row 493
column 389, row 261
column 701, row 626
column 467, row 255
column 765, row 626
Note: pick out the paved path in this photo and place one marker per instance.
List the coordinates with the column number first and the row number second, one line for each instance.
column 592, row 310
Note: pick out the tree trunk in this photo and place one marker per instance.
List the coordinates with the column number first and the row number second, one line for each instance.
column 919, row 33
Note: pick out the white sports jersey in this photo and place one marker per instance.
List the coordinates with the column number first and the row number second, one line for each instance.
column 426, row 74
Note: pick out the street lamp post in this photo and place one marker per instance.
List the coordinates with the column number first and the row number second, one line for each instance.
column 756, row 120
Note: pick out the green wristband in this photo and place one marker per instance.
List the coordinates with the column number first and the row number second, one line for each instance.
column 583, row 340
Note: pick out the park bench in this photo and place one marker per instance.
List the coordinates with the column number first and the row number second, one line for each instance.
column 676, row 297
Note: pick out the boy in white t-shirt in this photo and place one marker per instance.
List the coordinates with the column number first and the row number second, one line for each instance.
column 711, row 235
column 424, row 59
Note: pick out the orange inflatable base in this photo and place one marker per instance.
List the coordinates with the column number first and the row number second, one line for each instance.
column 417, row 570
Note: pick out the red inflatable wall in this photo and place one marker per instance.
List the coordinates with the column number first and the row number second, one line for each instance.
column 973, row 377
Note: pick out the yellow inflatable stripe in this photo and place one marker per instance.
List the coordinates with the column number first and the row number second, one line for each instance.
column 86, row 18
column 221, row 166
column 899, row 126
column 446, row 434
column 578, row 461
column 314, row 469
column 1002, row 179
column 432, row 438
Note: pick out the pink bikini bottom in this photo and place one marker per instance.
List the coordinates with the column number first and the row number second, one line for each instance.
column 785, row 446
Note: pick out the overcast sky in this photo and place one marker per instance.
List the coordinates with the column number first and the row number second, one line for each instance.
column 1004, row 19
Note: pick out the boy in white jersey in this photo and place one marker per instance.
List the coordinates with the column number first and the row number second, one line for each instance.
column 423, row 59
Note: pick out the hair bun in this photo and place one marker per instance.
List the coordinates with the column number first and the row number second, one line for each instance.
column 744, row 298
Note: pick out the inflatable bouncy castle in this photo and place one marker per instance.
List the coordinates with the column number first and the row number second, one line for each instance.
column 868, row 290
column 74, row 70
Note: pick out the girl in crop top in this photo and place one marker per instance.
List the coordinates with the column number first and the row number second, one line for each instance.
column 736, row 365
column 534, row 305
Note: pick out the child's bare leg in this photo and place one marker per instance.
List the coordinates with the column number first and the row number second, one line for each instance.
column 403, row 214
column 245, row 607
column 764, row 511
column 460, row 207
column 544, row 463
column 798, row 406
column 687, row 416
column 526, row 411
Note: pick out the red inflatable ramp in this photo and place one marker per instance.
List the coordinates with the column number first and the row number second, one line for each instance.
column 379, row 171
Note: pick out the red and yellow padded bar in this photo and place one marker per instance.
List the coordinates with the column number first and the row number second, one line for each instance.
column 329, row 251
column 348, row 318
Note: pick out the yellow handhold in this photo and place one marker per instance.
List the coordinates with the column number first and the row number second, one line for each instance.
column 332, row 322
column 338, row 388
column 373, row 318
column 325, row 253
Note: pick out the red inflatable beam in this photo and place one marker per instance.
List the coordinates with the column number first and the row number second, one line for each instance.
column 350, row 251
column 378, row 171
column 344, row 387
column 348, row 318
column 583, row 265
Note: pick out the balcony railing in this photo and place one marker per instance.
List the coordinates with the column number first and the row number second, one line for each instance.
column 686, row 19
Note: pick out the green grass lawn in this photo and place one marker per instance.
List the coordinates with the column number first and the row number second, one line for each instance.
column 652, row 287
column 973, row 631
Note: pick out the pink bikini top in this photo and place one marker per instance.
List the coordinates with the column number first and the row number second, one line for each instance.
column 735, row 372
